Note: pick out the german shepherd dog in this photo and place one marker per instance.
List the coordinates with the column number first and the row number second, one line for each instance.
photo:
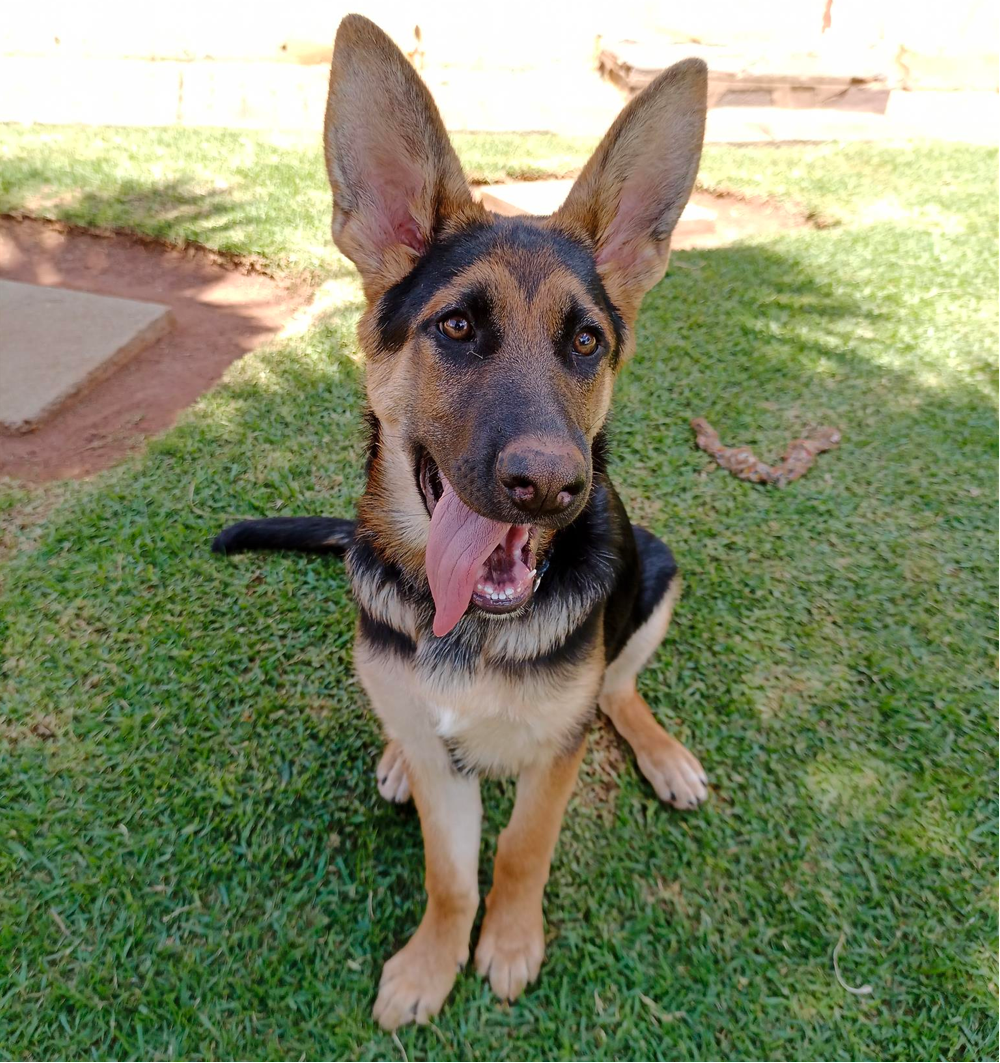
column 503, row 595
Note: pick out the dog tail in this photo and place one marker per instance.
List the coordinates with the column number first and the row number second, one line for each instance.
column 321, row 535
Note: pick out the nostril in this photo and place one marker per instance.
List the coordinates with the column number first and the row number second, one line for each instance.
column 568, row 493
column 522, row 490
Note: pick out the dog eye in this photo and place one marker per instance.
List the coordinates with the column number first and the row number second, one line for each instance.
column 456, row 327
column 585, row 342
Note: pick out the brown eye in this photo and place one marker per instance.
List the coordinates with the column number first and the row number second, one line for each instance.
column 585, row 342
column 456, row 327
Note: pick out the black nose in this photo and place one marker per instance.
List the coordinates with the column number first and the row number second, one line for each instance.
column 542, row 476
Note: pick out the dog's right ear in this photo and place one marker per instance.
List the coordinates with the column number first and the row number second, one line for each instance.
column 630, row 195
column 397, row 182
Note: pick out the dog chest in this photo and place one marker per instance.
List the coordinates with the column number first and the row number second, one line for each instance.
column 496, row 725
column 490, row 722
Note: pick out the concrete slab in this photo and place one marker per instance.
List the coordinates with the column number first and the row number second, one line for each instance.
column 544, row 197
column 54, row 343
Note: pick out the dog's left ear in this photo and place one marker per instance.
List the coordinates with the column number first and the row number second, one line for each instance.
column 397, row 182
column 630, row 194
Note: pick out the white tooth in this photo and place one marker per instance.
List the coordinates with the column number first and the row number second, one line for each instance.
column 533, row 573
column 488, row 588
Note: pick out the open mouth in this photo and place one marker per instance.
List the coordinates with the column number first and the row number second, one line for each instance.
column 471, row 557
column 507, row 576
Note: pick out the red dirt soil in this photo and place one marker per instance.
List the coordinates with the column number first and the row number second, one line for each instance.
column 221, row 312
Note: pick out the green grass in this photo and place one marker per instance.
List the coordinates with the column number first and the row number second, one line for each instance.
column 241, row 192
column 196, row 862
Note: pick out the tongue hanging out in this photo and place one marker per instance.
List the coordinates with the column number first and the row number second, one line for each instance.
column 473, row 558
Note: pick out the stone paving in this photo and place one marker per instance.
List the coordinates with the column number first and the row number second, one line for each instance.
column 55, row 343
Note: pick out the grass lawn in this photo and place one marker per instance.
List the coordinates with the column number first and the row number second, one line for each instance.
column 194, row 861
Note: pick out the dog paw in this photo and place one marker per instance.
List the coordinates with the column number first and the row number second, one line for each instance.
column 416, row 982
column 675, row 774
column 390, row 774
column 510, row 950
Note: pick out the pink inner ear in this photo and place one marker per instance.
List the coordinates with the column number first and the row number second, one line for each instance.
column 630, row 221
column 407, row 233
column 634, row 221
column 397, row 188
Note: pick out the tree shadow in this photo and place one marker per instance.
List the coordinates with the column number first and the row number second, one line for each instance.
column 761, row 309
column 172, row 211
column 232, row 219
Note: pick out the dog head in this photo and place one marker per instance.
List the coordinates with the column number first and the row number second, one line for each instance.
column 492, row 343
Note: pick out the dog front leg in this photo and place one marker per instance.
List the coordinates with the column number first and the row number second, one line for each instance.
column 512, row 943
column 416, row 981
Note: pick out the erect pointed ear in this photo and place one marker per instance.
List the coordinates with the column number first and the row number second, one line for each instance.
column 396, row 180
column 630, row 194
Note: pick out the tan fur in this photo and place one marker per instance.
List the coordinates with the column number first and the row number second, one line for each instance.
column 393, row 781
column 398, row 187
column 505, row 726
column 642, row 645
column 675, row 773
column 416, row 981
column 392, row 509
column 512, row 942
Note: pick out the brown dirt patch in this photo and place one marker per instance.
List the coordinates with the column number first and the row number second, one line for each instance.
column 223, row 309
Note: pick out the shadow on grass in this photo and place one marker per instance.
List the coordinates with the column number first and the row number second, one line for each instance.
column 172, row 211
column 760, row 319
column 287, row 229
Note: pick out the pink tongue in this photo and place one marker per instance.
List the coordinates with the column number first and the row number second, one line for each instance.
column 459, row 542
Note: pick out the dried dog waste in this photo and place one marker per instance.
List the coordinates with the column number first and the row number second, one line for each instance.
column 801, row 453
column 745, row 465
